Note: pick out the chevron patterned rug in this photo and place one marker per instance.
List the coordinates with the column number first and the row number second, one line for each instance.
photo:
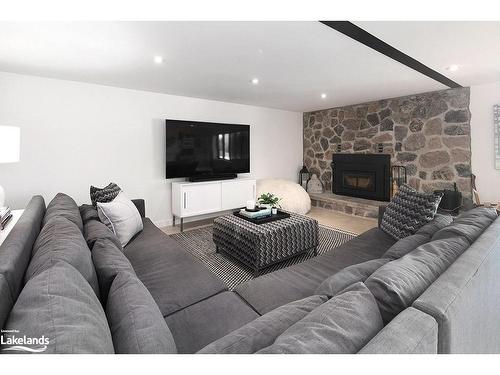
column 198, row 242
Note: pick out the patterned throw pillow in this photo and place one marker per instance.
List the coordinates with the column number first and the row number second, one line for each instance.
column 408, row 211
column 105, row 194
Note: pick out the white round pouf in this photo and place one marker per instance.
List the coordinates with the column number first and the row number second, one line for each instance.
column 293, row 196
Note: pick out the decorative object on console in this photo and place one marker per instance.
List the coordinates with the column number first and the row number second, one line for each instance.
column 294, row 198
column 314, row 185
column 121, row 216
column 408, row 211
column 10, row 145
column 399, row 177
column 105, row 194
column 304, row 177
column 5, row 216
column 269, row 200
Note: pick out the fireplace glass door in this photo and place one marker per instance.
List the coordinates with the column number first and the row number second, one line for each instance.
column 353, row 180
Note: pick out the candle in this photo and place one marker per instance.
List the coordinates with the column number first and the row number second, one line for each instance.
column 251, row 205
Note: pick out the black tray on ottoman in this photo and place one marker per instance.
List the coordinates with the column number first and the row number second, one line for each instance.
column 262, row 220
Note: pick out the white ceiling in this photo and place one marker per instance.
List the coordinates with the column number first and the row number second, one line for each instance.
column 294, row 61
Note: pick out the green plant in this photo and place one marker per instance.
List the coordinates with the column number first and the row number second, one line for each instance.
column 270, row 199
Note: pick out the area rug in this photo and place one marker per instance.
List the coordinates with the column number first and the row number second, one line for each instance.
column 198, row 242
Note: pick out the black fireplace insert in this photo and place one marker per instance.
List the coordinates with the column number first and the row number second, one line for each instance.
column 362, row 175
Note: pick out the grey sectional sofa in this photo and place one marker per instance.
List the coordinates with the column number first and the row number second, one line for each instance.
column 434, row 292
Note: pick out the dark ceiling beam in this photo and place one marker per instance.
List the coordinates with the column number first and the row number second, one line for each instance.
column 357, row 33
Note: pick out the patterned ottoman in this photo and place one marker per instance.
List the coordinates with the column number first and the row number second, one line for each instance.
column 261, row 245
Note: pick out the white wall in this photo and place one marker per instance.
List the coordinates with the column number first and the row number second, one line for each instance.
column 76, row 134
column 482, row 99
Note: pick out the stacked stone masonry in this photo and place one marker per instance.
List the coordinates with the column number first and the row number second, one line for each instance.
column 427, row 133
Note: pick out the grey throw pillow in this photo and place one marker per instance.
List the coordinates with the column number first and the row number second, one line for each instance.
column 343, row 279
column 136, row 323
column 399, row 283
column 105, row 194
column 63, row 206
column 262, row 331
column 61, row 240
column 59, row 305
column 343, row 325
column 408, row 211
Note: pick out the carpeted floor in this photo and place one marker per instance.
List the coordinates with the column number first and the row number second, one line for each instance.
column 199, row 243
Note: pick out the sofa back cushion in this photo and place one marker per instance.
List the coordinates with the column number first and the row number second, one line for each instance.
column 470, row 225
column 88, row 212
column 398, row 283
column 342, row 325
column 262, row 331
column 136, row 323
column 65, row 206
column 61, row 240
column 349, row 276
column 423, row 235
column 108, row 261
column 94, row 230
column 60, row 305
column 15, row 254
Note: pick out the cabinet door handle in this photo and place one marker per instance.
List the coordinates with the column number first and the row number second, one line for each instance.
column 184, row 200
column 253, row 188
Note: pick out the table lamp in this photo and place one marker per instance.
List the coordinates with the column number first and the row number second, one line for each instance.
column 10, row 139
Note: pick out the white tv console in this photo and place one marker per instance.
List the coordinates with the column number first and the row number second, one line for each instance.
column 198, row 198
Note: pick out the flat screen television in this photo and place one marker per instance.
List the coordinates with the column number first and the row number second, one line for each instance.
column 206, row 150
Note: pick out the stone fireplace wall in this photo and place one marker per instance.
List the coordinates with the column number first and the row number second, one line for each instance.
column 428, row 133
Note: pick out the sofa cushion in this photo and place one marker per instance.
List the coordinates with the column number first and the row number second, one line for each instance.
column 349, row 276
column 206, row 321
column 63, row 205
column 406, row 245
column 15, row 253
column 174, row 277
column 343, row 325
column 398, row 283
column 6, row 301
column 60, row 305
column 137, row 325
column 408, row 211
column 262, row 331
column 94, row 230
column 471, row 224
column 108, row 261
column 278, row 288
column 61, row 240
column 410, row 332
column 423, row 235
column 88, row 212
column 440, row 221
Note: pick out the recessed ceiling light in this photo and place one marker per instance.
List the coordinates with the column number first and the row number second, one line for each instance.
column 158, row 59
column 255, row 81
column 453, row 68
column 323, row 96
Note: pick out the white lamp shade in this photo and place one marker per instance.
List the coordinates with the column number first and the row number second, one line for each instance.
column 10, row 144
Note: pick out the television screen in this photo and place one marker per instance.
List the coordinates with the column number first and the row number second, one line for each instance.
column 205, row 149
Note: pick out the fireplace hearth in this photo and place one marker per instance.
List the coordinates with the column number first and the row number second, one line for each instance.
column 362, row 175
